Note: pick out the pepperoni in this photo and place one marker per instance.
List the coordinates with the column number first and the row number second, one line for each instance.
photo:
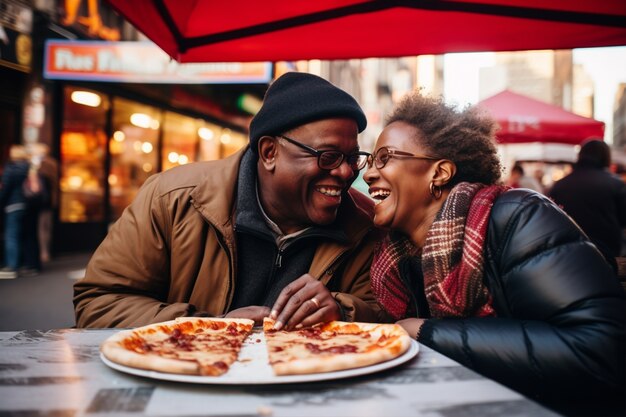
column 216, row 325
column 311, row 333
column 332, row 349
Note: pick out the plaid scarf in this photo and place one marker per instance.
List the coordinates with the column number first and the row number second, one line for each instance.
column 452, row 259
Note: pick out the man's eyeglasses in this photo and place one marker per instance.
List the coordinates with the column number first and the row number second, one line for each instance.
column 333, row 159
column 384, row 154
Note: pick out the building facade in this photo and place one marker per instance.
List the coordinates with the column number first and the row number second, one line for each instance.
column 110, row 128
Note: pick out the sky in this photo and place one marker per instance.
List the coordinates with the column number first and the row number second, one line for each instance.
column 606, row 66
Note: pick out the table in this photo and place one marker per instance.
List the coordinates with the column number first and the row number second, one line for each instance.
column 59, row 373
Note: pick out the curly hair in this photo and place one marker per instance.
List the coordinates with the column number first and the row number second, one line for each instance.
column 465, row 137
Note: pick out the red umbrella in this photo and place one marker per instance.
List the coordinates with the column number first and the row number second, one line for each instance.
column 523, row 119
column 273, row 30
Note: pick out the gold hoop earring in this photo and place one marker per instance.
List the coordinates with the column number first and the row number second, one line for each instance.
column 435, row 190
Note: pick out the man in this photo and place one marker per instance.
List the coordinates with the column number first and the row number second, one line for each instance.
column 14, row 208
column 595, row 198
column 274, row 229
column 48, row 169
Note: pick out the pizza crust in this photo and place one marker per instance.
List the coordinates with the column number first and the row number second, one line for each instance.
column 118, row 354
column 118, row 348
column 330, row 364
column 334, row 346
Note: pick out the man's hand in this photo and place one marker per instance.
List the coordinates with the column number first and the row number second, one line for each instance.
column 256, row 313
column 304, row 302
column 412, row 326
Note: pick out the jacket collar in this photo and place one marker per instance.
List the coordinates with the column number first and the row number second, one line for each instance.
column 214, row 196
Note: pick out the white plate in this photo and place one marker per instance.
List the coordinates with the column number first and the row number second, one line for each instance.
column 253, row 367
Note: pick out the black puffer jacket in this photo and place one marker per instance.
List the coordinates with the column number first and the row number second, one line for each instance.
column 559, row 334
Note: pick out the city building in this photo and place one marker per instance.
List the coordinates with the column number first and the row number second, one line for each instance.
column 112, row 107
column 619, row 119
column 544, row 75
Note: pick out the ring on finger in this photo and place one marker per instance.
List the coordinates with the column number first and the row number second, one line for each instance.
column 315, row 301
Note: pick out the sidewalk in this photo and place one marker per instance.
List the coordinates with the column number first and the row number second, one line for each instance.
column 44, row 301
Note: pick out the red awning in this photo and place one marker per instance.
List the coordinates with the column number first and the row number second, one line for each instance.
column 274, row 30
column 523, row 119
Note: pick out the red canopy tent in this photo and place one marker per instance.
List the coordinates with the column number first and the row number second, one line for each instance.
column 274, row 30
column 523, row 119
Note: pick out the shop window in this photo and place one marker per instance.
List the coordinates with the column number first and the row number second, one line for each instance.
column 143, row 141
column 231, row 141
column 180, row 140
column 186, row 140
column 133, row 145
column 218, row 142
column 209, row 148
column 83, row 142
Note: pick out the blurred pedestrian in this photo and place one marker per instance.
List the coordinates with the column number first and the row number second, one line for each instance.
column 595, row 198
column 13, row 204
column 36, row 195
column 539, row 175
column 48, row 170
column 518, row 179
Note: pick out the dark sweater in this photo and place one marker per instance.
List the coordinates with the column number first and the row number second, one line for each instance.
column 596, row 200
column 265, row 265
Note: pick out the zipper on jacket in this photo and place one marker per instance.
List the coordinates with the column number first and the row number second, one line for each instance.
column 279, row 261
column 281, row 247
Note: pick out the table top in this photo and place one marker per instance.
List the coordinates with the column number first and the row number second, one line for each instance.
column 60, row 373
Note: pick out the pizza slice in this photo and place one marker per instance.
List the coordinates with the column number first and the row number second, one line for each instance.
column 333, row 346
column 187, row 345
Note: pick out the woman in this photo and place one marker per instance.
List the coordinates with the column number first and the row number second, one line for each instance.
column 498, row 279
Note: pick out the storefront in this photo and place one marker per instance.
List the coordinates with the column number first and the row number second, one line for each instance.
column 112, row 112
column 114, row 132
column 109, row 145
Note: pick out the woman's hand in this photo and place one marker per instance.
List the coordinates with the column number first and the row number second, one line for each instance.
column 412, row 326
column 256, row 313
column 304, row 302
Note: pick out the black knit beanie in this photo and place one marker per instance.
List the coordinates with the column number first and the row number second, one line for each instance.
column 298, row 98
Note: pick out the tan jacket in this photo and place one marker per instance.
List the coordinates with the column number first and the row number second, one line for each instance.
column 173, row 252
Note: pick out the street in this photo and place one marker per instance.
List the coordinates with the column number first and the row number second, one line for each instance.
column 44, row 301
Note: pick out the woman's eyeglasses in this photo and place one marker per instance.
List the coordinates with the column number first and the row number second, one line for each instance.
column 333, row 159
column 380, row 158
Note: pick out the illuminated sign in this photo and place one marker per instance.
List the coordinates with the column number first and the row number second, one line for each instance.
column 141, row 62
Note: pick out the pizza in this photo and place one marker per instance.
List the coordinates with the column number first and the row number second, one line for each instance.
column 333, row 346
column 210, row 346
column 188, row 345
